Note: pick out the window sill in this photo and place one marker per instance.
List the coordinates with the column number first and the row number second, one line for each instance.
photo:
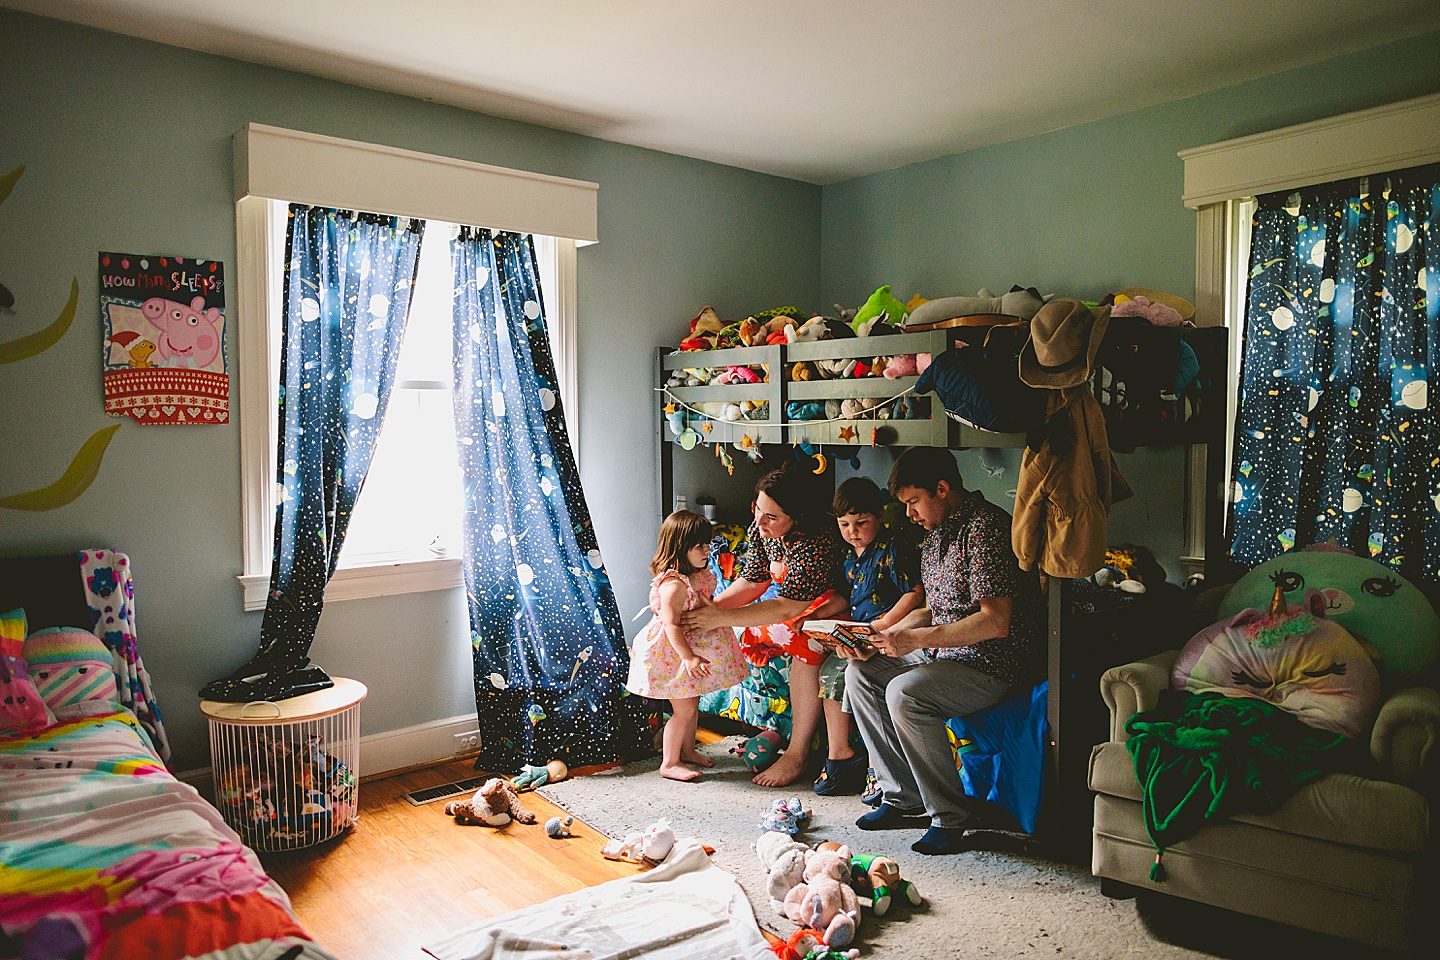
column 377, row 580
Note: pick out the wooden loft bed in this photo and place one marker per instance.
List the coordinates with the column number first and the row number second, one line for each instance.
column 1073, row 668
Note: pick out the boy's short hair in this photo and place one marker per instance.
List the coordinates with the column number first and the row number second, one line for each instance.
column 924, row 468
column 858, row 495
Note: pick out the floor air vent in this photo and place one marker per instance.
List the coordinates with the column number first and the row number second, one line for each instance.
column 445, row 791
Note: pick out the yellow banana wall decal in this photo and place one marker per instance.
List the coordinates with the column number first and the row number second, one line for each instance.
column 7, row 182
column 75, row 481
column 31, row 344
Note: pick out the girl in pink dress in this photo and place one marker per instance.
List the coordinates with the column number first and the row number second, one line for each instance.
column 669, row 663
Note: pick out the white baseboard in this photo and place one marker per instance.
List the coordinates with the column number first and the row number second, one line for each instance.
column 409, row 746
column 382, row 752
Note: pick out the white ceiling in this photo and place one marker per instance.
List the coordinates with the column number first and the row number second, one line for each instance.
column 817, row 90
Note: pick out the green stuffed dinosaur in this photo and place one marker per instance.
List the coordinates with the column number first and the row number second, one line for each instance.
column 881, row 302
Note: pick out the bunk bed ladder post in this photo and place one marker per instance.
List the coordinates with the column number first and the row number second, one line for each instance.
column 776, row 394
column 1057, row 794
column 938, row 341
column 665, row 447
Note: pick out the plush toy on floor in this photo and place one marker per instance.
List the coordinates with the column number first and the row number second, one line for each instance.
column 532, row 777
column 824, row 902
column 784, row 862
column 652, row 845
column 558, row 828
column 805, row 945
column 495, row 804
column 786, row 816
column 877, row 878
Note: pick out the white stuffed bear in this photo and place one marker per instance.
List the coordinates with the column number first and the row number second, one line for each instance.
column 784, row 860
column 652, row 845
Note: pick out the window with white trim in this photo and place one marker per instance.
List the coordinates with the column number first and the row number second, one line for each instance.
column 409, row 509
column 1222, row 180
column 404, row 536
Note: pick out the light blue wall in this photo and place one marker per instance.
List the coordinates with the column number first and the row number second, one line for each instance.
column 1086, row 210
column 1083, row 212
column 126, row 146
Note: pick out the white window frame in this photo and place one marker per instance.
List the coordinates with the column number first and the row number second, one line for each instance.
column 1219, row 178
column 276, row 164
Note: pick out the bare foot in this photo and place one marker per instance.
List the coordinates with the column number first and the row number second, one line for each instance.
column 677, row 772
column 697, row 758
column 784, row 771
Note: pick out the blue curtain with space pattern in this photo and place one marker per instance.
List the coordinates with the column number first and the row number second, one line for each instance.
column 549, row 653
column 1335, row 436
column 348, row 282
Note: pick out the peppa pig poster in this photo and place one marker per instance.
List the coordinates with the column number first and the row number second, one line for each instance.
column 163, row 321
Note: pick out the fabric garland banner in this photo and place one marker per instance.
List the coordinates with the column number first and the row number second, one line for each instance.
column 164, row 339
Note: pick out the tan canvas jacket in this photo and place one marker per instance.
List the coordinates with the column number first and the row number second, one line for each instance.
column 1064, row 495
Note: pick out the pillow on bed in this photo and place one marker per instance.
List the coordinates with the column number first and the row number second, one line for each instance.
column 22, row 710
column 73, row 670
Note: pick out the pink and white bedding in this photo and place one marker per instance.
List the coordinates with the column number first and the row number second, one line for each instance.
column 104, row 854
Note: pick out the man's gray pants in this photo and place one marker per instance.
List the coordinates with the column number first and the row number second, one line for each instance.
column 901, row 705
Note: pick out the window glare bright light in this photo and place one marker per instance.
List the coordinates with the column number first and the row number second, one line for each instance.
column 410, row 506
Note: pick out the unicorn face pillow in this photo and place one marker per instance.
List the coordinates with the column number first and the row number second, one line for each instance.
column 1371, row 601
column 1301, row 662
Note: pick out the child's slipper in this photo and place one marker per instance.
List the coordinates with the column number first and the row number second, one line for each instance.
column 872, row 794
column 842, row 777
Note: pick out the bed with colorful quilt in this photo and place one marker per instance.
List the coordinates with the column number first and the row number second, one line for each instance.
column 103, row 852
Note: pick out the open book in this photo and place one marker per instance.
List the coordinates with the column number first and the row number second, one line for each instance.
column 848, row 633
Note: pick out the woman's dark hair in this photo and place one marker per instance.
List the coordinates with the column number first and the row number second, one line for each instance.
column 795, row 492
column 858, row 495
column 680, row 531
column 923, row 468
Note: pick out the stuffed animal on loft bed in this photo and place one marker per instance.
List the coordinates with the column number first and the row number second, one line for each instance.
column 1021, row 303
column 881, row 314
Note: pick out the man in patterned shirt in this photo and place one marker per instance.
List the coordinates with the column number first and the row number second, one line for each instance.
column 978, row 637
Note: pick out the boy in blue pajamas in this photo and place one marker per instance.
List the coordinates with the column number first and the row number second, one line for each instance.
column 883, row 571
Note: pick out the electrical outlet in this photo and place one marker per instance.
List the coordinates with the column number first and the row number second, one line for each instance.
column 467, row 742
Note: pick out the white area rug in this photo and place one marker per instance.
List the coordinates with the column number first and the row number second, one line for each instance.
column 978, row 904
column 685, row 909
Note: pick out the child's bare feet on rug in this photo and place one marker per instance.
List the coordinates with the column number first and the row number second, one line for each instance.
column 697, row 758
column 783, row 772
column 677, row 772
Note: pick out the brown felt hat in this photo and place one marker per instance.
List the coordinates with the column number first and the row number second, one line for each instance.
column 1064, row 337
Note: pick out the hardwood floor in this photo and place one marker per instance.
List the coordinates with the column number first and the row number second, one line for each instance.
column 405, row 876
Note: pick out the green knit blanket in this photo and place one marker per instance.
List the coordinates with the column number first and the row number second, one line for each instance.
column 1205, row 757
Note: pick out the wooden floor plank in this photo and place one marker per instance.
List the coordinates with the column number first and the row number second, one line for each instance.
column 406, row 876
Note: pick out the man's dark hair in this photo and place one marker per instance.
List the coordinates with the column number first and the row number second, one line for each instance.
column 924, row 468
column 858, row 495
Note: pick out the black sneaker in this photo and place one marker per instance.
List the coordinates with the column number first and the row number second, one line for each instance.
column 841, row 777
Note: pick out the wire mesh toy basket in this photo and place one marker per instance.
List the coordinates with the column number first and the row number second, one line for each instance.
column 287, row 773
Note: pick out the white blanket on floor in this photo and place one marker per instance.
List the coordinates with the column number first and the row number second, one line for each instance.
column 685, row 909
